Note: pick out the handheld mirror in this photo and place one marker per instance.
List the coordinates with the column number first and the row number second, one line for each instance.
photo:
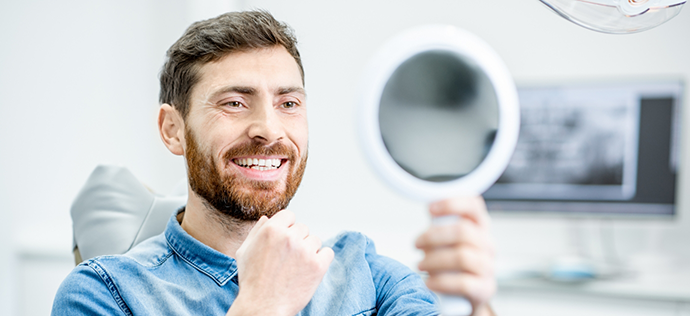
column 439, row 118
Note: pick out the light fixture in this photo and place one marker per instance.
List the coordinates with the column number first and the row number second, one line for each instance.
column 616, row 16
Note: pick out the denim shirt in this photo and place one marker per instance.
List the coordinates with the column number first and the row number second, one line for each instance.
column 175, row 274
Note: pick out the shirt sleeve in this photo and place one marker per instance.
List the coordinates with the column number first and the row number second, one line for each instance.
column 88, row 290
column 399, row 290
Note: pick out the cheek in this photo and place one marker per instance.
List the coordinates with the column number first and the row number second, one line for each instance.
column 301, row 135
column 222, row 134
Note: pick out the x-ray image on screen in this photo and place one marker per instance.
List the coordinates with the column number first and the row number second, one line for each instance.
column 598, row 148
column 575, row 143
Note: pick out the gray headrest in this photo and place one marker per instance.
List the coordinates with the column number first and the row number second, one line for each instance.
column 114, row 211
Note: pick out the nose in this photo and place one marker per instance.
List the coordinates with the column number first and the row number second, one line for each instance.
column 265, row 126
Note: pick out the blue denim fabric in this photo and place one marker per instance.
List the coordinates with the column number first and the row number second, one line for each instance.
column 174, row 274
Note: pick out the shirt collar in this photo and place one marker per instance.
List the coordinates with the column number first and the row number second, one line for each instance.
column 207, row 260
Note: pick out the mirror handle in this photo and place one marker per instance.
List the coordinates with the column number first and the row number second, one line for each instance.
column 451, row 305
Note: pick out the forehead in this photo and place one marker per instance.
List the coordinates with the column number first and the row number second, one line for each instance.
column 262, row 68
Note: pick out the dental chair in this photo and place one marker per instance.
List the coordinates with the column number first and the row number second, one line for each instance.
column 114, row 212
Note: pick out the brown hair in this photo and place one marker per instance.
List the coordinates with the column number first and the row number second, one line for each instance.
column 210, row 40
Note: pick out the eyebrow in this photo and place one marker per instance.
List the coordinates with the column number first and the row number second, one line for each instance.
column 252, row 91
column 287, row 90
column 237, row 89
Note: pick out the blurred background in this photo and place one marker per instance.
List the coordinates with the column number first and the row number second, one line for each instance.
column 79, row 87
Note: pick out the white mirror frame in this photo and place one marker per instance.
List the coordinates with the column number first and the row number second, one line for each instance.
column 469, row 47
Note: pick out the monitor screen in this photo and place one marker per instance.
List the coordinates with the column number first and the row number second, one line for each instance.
column 594, row 148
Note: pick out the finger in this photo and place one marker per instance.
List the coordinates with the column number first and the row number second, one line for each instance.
column 284, row 218
column 468, row 260
column 477, row 289
column 261, row 222
column 472, row 208
column 252, row 233
column 325, row 256
column 312, row 243
column 463, row 232
column 299, row 230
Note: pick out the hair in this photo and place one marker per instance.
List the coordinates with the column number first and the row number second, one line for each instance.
column 210, row 40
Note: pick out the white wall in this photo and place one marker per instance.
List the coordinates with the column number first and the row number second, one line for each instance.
column 337, row 39
column 78, row 87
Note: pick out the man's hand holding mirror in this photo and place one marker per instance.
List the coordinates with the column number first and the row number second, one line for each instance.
column 440, row 120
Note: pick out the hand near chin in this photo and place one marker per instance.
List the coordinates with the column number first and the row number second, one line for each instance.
column 460, row 257
column 279, row 267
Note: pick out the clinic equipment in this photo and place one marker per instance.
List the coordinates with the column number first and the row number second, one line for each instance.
column 616, row 16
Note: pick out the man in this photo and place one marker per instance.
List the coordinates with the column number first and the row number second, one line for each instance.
column 234, row 104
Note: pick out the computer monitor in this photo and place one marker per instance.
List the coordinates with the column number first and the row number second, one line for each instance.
column 605, row 148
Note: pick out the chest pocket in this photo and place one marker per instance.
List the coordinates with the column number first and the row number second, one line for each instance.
column 370, row 312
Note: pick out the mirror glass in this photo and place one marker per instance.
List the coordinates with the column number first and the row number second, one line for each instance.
column 438, row 115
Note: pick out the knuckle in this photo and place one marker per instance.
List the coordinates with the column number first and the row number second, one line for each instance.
column 294, row 242
column 270, row 230
column 273, row 232
column 462, row 286
column 461, row 231
column 425, row 239
column 423, row 265
column 488, row 268
column 459, row 257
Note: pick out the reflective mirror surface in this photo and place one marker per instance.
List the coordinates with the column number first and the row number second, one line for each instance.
column 438, row 116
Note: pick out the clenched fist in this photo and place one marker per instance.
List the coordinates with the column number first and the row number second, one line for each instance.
column 279, row 267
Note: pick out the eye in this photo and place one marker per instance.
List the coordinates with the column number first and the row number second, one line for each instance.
column 233, row 104
column 289, row 105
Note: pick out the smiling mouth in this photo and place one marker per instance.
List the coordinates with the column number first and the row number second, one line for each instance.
column 258, row 164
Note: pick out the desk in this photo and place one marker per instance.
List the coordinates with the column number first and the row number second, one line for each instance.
column 661, row 294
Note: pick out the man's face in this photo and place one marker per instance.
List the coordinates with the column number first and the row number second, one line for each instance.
column 246, row 133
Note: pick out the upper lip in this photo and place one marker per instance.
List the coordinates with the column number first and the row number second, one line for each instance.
column 260, row 157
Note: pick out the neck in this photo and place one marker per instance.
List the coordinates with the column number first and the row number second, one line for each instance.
column 216, row 230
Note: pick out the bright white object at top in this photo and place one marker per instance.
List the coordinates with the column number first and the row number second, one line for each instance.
column 616, row 16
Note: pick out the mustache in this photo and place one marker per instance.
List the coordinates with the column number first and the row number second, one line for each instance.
column 254, row 148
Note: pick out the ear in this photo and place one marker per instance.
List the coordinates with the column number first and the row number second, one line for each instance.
column 171, row 128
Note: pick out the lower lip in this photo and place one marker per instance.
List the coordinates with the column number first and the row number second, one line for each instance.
column 261, row 175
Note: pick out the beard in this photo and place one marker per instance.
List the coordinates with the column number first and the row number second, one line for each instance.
column 236, row 197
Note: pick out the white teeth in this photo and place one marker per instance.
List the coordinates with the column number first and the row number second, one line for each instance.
column 259, row 164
